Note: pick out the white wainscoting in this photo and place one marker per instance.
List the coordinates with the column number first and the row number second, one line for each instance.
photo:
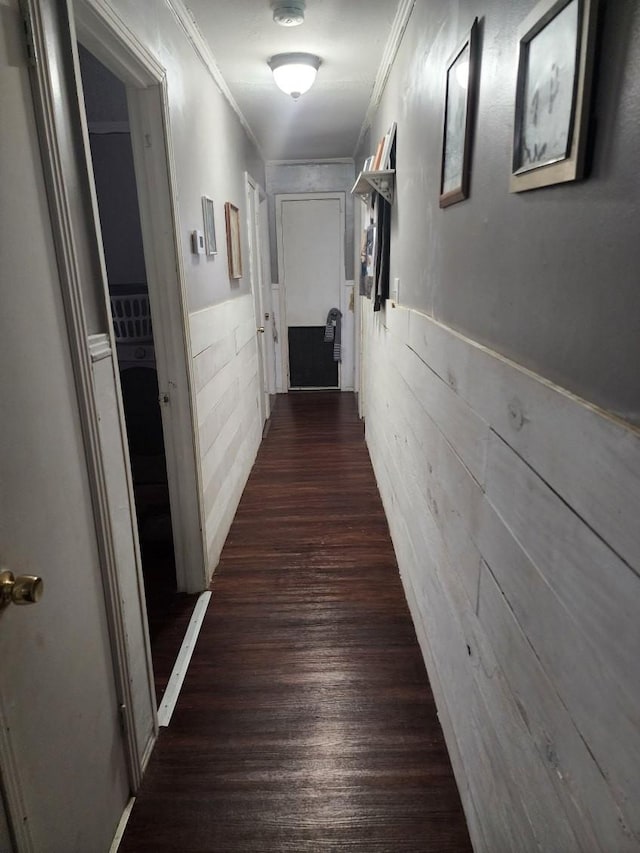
column 225, row 361
column 514, row 507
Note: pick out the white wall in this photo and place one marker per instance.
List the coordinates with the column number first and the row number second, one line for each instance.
column 211, row 154
column 329, row 176
column 210, row 147
column 227, row 384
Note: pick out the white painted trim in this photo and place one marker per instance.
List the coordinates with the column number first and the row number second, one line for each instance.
column 403, row 13
column 99, row 347
column 124, row 820
column 201, row 47
column 157, row 195
column 316, row 387
column 11, row 792
column 76, row 257
column 253, row 190
column 278, row 326
column 136, row 66
column 105, row 34
column 327, row 161
column 279, row 198
column 176, row 679
column 347, row 366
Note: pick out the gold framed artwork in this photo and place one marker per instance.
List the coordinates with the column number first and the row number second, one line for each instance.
column 234, row 254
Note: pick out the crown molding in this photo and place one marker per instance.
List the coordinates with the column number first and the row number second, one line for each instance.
column 403, row 13
column 192, row 31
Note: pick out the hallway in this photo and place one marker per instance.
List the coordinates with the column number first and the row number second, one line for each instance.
column 306, row 721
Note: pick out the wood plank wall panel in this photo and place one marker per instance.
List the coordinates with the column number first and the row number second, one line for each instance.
column 224, row 350
column 306, row 721
column 513, row 509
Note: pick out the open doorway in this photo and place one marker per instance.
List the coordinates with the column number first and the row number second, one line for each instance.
column 310, row 230
column 129, row 298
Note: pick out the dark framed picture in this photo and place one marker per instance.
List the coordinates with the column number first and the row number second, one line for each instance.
column 232, row 221
column 209, row 226
column 458, row 120
column 555, row 63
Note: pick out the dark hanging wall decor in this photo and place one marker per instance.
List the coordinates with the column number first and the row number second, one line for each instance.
column 382, row 219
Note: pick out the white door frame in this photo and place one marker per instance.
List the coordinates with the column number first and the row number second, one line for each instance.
column 284, row 336
column 61, row 126
column 267, row 293
column 79, row 260
column 100, row 30
column 359, row 220
column 253, row 192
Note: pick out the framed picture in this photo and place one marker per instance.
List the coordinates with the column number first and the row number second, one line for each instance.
column 232, row 219
column 555, row 62
column 209, row 226
column 458, row 120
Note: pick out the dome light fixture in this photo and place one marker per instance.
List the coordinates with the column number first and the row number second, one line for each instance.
column 294, row 73
column 290, row 13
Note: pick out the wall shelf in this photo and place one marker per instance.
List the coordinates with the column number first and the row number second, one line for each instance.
column 382, row 181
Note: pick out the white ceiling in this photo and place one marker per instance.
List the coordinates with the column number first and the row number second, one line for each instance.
column 351, row 38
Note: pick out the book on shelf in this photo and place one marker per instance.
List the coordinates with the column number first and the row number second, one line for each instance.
column 388, row 140
column 378, row 156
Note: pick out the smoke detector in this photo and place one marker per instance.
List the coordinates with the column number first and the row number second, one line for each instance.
column 289, row 14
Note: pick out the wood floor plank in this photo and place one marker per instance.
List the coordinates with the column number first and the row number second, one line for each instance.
column 306, row 721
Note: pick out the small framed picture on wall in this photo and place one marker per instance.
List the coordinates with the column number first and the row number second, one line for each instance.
column 555, row 62
column 209, row 226
column 458, row 120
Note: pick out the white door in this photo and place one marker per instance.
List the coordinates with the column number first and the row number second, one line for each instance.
column 255, row 273
column 62, row 755
column 267, row 297
column 310, row 232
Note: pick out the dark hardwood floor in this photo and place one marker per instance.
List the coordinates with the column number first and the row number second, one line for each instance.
column 306, row 721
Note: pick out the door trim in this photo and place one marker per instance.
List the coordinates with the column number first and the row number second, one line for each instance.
column 284, row 336
column 58, row 121
column 11, row 797
column 102, row 32
column 253, row 192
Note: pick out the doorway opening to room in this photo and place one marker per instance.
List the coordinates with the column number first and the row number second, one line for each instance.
column 130, row 302
column 317, row 324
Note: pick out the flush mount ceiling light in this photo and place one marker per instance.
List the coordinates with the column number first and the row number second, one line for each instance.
column 294, row 73
column 289, row 14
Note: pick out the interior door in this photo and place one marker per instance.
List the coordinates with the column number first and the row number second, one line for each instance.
column 62, row 755
column 267, row 297
column 311, row 261
column 255, row 272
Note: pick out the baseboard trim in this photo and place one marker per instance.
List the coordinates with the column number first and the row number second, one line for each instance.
column 124, row 820
column 174, row 685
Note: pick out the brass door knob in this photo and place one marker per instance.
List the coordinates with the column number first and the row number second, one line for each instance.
column 25, row 589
